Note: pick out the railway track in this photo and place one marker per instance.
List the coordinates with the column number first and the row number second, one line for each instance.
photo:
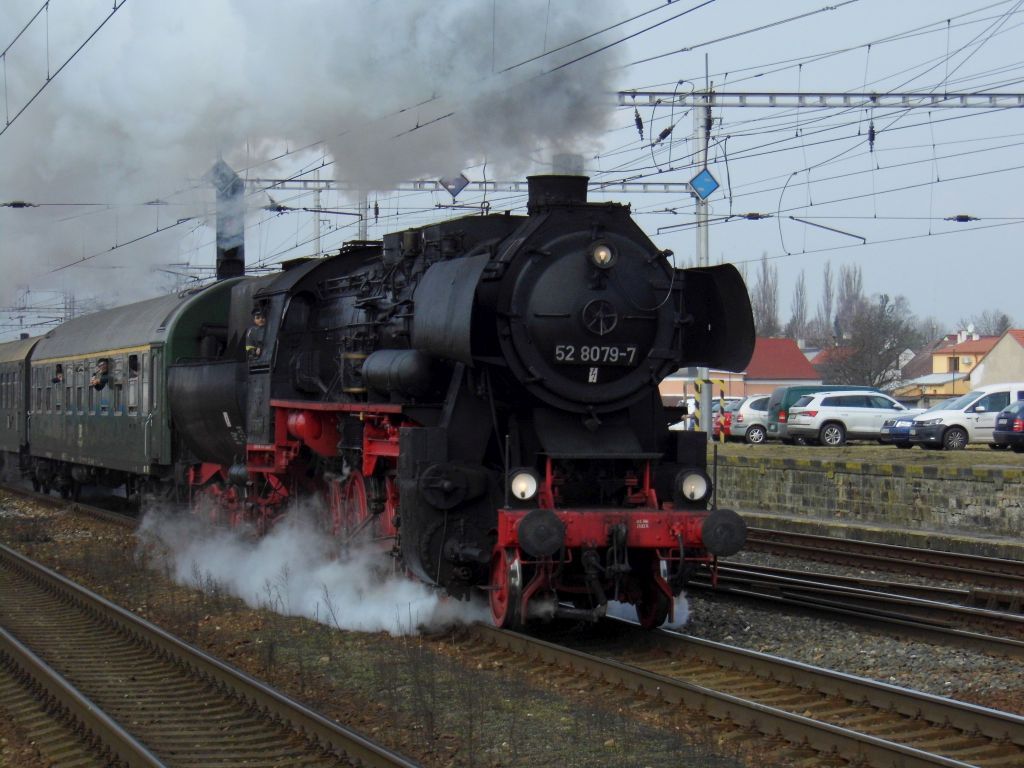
column 997, row 573
column 890, row 604
column 837, row 715
column 137, row 695
column 865, row 732
column 55, row 502
column 930, row 612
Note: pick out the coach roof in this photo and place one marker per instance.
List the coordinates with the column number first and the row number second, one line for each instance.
column 13, row 351
column 129, row 326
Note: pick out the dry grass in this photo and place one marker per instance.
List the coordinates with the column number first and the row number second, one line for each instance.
column 972, row 456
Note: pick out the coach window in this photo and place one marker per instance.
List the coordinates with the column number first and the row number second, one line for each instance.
column 118, row 381
column 133, row 385
column 79, row 381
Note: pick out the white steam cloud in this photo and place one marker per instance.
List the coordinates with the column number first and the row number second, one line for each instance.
column 295, row 570
column 395, row 90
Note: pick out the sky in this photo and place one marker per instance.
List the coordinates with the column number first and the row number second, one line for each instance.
column 115, row 111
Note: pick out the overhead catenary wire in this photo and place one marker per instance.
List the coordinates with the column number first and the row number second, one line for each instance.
column 738, row 156
column 118, row 4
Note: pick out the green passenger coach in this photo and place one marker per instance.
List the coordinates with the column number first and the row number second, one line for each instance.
column 115, row 429
column 13, row 395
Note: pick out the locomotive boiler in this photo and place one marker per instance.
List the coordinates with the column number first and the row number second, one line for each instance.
column 480, row 397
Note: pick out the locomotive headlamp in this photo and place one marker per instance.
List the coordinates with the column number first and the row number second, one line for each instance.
column 602, row 255
column 524, row 484
column 693, row 486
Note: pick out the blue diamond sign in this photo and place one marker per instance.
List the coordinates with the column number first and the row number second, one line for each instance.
column 454, row 184
column 703, row 184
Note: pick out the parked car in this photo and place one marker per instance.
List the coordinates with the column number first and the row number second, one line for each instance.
column 970, row 418
column 782, row 399
column 832, row 417
column 896, row 431
column 724, row 417
column 1009, row 429
column 748, row 420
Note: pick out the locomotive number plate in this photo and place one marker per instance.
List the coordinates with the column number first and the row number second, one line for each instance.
column 601, row 354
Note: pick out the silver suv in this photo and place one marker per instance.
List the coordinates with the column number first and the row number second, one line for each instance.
column 832, row 417
column 750, row 419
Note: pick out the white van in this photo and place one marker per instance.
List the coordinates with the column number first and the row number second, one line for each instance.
column 968, row 419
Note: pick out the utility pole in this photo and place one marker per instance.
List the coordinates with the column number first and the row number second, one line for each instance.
column 316, row 216
column 702, row 130
column 364, row 204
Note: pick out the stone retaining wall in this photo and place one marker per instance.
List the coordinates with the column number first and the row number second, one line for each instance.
column 984, row 500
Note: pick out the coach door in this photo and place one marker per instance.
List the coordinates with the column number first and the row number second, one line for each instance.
column 159, row 417
column 149, row 418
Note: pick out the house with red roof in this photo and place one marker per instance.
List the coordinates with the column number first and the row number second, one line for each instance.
column 777, row 363
column 1003, row 362
column 828, row 357
column 952, row 370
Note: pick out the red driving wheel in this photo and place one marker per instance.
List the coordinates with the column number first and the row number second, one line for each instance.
column 349, row 508
column 505, row 589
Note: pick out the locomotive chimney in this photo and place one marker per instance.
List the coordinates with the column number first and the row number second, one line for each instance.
column 230, row 220
column 546, row 191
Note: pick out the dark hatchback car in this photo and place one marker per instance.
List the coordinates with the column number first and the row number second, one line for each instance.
column 1009, row 429
column 896, row 431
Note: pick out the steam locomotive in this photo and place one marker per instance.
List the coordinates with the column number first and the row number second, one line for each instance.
column 478, row 397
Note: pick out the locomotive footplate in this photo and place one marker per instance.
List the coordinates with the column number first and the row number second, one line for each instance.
column 571, row 562
column 644, row 528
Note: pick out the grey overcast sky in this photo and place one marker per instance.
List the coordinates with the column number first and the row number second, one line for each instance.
column 113, row 149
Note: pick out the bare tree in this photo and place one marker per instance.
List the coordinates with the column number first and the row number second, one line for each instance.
column 796, row 328
column 765, row 300
column 821, row 326
column 930, row 329
column 877, row 332
column 991, row 322
column 849, row 297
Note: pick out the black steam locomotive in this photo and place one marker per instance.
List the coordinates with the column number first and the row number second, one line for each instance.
column 480, row 397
